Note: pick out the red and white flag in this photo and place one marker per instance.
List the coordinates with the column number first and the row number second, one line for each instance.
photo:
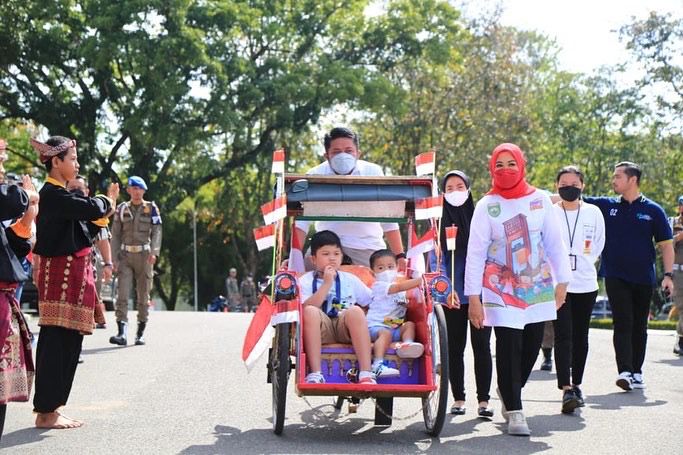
column 451, row 234
column 296, row 263
column 274, row 210
column 265, row 237
column 429, row 207
column 279, row 161
column 424, row 163
column 418, row 247
column 259, row 334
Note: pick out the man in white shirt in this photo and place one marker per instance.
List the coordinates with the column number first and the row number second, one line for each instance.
column 359, row 239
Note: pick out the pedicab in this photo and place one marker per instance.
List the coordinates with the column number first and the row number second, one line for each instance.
column 378, row 199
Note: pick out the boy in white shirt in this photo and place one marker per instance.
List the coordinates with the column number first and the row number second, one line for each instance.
column 331, row 312
column 386, row 316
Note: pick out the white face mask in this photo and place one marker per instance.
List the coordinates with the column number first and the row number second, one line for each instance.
column 456, row 198
column 343, row 163
column 388, row 276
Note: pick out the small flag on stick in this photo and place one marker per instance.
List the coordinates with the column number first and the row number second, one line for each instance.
column 265, row 237
column 451, row 233
column 279, row 161
column 424, row 163
column 429, row 207
column 274, row 210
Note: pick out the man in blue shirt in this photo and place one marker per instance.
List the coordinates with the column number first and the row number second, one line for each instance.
column 632, row 221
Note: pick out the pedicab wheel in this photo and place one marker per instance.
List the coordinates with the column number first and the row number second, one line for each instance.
column 280, row 367
column 434, row 406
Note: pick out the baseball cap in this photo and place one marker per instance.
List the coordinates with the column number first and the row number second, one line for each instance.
column 137, row 181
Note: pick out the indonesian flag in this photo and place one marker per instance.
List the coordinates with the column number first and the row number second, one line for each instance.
column 424, row 163
column 274, row 210
column 296, row 262
column 451, row 233
column 279, row 161
column 429, row 207
column 418, row 247
column 260, row 332
column 265, row 237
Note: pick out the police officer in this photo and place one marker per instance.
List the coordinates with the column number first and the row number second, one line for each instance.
column 248, row 293
column 233, row 290
column 135, row 245
column 677, row 225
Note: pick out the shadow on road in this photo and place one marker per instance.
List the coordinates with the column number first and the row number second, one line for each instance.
column 23, row 436
column 676, row 362
column 104, row 349
column 618, row 400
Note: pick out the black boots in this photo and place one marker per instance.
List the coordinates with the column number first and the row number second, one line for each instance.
column 547, row 364
column 139, row 339
column 122, row 338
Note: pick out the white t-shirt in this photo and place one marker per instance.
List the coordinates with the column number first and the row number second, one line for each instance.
column 353, row 234
column 351, row 291
column 386, row 310
column 587, row 242
column 515, row 256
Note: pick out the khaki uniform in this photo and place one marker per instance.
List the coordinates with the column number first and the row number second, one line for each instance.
column 677, row 226
column 233, row 292
column 136, row 233
column 248, row 293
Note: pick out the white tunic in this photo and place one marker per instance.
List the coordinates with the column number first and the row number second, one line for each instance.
column 353, row 234
column 515, row 256
column 585, row 242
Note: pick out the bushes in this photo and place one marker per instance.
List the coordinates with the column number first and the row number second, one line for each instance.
column 654, row 325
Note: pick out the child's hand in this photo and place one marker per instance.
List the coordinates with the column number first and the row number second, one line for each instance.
column 328, row 274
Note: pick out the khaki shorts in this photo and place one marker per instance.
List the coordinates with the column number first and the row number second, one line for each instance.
column 334, row 330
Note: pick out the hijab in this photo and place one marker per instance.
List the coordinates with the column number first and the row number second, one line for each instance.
column 509, row 184
column 458, row 216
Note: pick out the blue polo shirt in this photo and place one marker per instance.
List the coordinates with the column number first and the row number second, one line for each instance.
column 630, row 228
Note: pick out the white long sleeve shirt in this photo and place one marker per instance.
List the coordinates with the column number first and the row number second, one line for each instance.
column 515, row 256
column 583, row 233
column 353, row 234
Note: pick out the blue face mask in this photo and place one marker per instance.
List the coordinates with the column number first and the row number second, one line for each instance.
column 343, row 163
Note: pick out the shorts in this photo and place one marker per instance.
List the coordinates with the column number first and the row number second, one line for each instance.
column 334, row 330
column 395, row 332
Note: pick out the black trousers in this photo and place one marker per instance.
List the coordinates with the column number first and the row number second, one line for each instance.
column 630, row 304
column 56, row 362
column 571, row 337
column 516, row 353
column 456, row 321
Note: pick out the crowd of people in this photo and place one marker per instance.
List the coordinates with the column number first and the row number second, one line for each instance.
column 530, row 263
column 524, row 259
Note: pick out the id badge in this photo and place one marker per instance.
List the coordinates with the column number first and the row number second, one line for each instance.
column 572, row 261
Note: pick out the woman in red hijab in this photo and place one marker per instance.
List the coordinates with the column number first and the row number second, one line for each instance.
column 515, row 255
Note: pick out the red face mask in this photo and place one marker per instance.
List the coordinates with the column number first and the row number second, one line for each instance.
column 506, row 178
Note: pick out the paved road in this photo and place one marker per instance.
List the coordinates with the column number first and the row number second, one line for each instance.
column 188, row 392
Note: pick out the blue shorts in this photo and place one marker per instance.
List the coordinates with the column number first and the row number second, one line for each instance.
column 375, row 329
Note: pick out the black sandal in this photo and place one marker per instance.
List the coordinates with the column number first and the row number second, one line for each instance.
column 458, row 410
column 485, row 412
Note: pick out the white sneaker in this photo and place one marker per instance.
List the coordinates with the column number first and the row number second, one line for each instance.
column 517, row 425
column 625, row 381
column 410, row 350
column 638, row 382
column 385, row 371
column 315, row 378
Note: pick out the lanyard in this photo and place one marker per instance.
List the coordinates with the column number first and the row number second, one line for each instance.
column 572, row 233
column 337, row 289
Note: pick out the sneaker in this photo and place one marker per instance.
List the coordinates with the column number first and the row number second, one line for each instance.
column 517, row 425
column 458, row 410
column 409, row 350
column 315, row 378
column 638, row 382
column 547, row 364
column 367, row 380
column 384, row 371
column 625, row 381
column 569, row 401
column 503, row 410
column 678, row 347
column 579, row 396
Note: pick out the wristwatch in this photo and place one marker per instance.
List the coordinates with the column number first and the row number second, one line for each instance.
column 669, row 274
column 400, row 256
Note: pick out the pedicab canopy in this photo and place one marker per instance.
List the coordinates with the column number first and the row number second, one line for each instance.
column 355, row 198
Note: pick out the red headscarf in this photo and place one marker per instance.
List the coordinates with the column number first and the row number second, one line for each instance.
column 509, row 184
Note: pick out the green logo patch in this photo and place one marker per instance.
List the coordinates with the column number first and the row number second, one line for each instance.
column 494, row 209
